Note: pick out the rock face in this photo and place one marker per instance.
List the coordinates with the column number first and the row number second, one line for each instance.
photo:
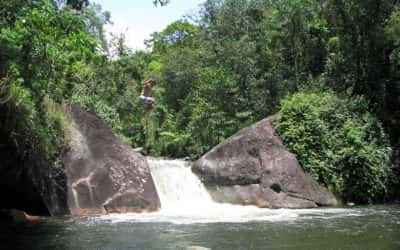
column 104, row 174
column 253, row 167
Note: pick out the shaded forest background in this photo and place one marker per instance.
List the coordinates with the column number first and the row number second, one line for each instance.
column 328, row 68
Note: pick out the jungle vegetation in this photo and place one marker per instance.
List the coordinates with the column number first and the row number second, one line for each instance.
column 328, row 68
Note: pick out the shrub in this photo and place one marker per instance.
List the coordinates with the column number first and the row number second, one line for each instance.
column 338, row 142
column 36, row 130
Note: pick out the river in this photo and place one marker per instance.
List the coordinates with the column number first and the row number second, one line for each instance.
column 189, row 218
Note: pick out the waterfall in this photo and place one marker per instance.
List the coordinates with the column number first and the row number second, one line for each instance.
column 185, row 200
column 184, row 197
column 177, row 187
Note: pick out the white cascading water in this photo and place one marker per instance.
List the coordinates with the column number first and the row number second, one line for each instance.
column 183, row 195
column 178, row 188
column 185, row 200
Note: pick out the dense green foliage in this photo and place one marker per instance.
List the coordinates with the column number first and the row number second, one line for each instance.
column 220, row 71
column 338, row 142
column 39, row 46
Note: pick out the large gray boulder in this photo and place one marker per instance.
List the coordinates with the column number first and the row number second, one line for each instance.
column 104, row 175
column 253, row 167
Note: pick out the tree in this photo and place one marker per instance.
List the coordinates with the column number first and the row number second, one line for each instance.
column 177, row 34
column 161, row 2
column 75, row 4
column 95, row 19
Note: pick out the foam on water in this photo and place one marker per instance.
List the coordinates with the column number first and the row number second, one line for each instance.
column 184, row 200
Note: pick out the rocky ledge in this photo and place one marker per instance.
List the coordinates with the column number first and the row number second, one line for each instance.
column 104, row 175
column 253, row 167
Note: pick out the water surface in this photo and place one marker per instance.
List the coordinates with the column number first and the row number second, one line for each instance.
column 374, row 227
column 189, row 217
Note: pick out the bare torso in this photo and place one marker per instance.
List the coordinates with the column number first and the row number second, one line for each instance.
column 146, row 91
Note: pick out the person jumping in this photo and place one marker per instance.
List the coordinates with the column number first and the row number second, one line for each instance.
column 145, row 95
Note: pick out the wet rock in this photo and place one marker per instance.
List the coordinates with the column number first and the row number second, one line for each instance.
column 16, row 216
column 104, row 174
column 253, row 167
